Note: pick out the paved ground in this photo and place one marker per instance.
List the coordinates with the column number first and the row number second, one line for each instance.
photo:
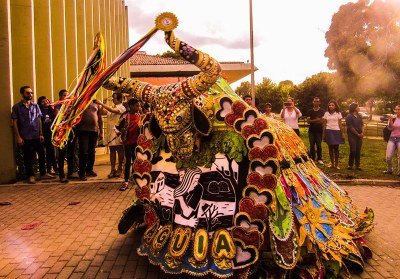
column 77, row 234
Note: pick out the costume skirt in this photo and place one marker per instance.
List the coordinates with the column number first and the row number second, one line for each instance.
column 333, row 137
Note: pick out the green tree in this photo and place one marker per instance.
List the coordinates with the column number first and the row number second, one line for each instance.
column 319, row 85
column 363, row 47
column 170, row 54
column 269, row 92
column 243, row 89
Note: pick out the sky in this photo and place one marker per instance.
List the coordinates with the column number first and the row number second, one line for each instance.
column 288, row 35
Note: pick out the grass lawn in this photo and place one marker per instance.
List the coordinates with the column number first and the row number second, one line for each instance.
column 373, row 161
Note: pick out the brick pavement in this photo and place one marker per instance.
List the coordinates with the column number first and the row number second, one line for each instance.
column 82, row 240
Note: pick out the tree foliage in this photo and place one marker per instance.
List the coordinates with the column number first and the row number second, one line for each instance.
column 171, row 54
column 319, row 85
column 243, row 89
column 363, row 47
column 269, row 92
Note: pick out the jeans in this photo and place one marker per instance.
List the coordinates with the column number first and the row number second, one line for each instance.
column 355, row 143
column 30, row 148
column 87, row 149
column 50, row 154
column 315, row 140
column 392, row 144
column 130, row 156
column 69, row 152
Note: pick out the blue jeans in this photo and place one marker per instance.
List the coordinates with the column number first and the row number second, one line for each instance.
column 392, row 144
column 355, row 143
column 30, row 148
column 87, row 142
column 315, row 140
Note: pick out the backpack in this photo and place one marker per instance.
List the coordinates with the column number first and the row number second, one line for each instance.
column 387, row 132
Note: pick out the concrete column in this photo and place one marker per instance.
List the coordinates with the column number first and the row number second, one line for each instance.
column 59, row 46
column 7, row 162
column 43, row 49
column 127, row 43
column 71, row 43
column 90, row 33
column 22, row 46
column 81, row 34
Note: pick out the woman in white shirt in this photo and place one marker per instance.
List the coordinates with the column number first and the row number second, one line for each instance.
column 332, row 132
column 114, row 143
column 290, row 115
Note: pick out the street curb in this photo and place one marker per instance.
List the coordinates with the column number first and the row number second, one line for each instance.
column 369, row 182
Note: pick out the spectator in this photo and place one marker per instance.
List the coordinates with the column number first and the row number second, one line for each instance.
column 267, row 110
column 332, row 132
column 146, row 108
column 355, row 134
column 249, row 100
column 68, row 150
column 314, row 118
column 27, row 125
column 290, row 115
column 130, row 137
column 394, row 142
column 89, row 130
column 113, row 138
column 47, row 121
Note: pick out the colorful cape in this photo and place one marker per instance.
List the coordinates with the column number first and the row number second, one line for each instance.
column 226, row 191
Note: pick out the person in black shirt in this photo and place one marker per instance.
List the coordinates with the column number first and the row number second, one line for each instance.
column 47, row 121
column 314, row 118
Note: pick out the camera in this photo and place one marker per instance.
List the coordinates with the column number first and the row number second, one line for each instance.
column 287, row 104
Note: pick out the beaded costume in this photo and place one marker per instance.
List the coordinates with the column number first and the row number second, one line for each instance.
column 228, row 192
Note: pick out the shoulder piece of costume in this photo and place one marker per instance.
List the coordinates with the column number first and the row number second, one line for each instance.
column 229, row 192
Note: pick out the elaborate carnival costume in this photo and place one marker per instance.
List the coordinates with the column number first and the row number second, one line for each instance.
column 228, row 192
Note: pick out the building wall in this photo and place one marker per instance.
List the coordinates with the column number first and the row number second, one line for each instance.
column 45, row 44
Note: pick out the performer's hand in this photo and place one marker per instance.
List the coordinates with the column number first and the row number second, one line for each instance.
column 100, row 137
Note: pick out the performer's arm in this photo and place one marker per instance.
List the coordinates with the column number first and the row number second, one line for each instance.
column 186, row 210
column 108, row 108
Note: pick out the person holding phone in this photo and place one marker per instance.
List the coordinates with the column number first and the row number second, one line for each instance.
column 290, row 115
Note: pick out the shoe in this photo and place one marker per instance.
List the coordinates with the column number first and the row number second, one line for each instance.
column 91, row 174
column 359, row 169
column 63, row 180
column 31, row 180
column 72, row 176
column 46, row 176
column 118, row 173
column 349, row 168
column 82, row 178
column 124, row 186
column 320, row 162
column 337, row 167
column 332, row 166
column 387, row 172
column 112, row 174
